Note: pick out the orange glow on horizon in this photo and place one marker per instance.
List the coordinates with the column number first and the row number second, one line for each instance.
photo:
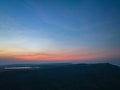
column 58, row 56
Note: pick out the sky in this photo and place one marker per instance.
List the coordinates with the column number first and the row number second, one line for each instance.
column 59, row 31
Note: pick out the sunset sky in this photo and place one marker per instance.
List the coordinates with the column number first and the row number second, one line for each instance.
column 59, row 31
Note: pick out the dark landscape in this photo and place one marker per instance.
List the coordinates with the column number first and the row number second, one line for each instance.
column 101, row 76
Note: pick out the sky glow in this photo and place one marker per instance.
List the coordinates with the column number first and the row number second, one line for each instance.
column 59, row 30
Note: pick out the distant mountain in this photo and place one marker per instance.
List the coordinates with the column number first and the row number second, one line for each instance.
column 103, row 76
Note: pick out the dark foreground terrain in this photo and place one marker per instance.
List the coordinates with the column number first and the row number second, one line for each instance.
column 62, row 77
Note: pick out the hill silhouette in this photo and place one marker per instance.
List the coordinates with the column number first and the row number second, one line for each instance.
column 103, row 76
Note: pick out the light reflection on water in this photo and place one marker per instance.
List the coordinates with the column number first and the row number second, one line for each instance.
column 20, row 67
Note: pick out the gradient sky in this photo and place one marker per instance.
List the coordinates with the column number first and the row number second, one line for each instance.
column 59, row 31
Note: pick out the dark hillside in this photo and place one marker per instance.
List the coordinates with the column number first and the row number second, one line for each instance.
column 67, row 77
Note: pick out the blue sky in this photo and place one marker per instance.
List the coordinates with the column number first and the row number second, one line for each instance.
column 57, row 26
